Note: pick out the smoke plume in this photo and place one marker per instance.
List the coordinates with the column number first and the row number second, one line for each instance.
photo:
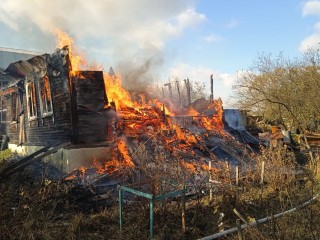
column 129, row 35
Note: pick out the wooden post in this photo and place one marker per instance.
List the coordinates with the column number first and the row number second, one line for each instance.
column 220, row 222
column 262, row 172
column 187, row 83
column 183, row 215
column 151, row 218
column 262, row 179
column 210, row 181
column 228, row 166
column 238, row 224
column 240, row 216
column 178, row 89
column 120, row 209
column 237, row 175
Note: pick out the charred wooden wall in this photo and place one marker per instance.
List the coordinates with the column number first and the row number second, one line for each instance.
column 49, row 129
column 44, row 130
column 90, row 112
column 12, row 129
column 79, row 114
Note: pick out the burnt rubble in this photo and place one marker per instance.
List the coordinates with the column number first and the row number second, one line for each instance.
column 148, row 148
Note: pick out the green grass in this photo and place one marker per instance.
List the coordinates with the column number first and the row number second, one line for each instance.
column 5, row 154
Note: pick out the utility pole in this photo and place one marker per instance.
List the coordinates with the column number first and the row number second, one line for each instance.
column 178, row 89
column 187, row 83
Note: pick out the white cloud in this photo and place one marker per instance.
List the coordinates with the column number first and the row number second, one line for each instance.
column 190, row 18
column 212, row 38
column 132, row 34
column 312, row 41
column 222, row 81
column 184, row 70
column 146, row 23
column 311, row 8
column 227, row 79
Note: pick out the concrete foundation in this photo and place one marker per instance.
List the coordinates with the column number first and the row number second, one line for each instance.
column 69, row 159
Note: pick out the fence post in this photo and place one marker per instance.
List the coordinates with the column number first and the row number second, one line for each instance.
column 238, row 224
column 210, row 181
column 262, row 179
column 151, row 218
column 228, row 172
column 237, row 175
column 262, row 172
column 220, row 222
column 183, row 215
column 120, row 208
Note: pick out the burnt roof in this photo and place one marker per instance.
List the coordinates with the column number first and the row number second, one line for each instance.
column 18, row 71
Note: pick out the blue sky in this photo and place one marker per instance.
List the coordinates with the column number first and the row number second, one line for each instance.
column 174, row 39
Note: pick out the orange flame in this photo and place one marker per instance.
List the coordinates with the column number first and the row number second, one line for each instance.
column 144, row 116
column 193, row 112
column 117, row 93
column 192, row 167
column 218, row 116
column 115, row 164
column 125, row 154
column 77, row 60
column 183, row 136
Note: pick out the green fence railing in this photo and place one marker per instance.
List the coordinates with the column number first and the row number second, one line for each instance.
column 152, row 199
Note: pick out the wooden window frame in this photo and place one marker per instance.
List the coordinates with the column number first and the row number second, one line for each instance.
column 14, row 107
column 44, row 94
column 31, row 100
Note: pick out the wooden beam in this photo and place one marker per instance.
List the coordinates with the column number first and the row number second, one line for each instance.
column 24, row 160
column 32, row 160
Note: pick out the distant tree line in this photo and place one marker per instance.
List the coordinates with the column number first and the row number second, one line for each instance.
column 282, row 90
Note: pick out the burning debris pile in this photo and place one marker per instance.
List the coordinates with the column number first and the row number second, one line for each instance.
column 153, row 145
column 159, row 148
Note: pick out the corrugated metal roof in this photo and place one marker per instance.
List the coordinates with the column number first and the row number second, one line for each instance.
column 13, row 50
column 10, row 55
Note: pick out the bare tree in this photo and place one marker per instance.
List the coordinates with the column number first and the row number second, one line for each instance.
column 282, row 90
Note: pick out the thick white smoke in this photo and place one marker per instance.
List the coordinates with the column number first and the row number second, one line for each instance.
column 130, row 35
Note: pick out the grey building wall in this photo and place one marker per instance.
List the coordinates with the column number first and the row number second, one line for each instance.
column 9, row 55
column 235, row 118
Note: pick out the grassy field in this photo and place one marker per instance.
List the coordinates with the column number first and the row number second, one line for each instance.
column 46, row 209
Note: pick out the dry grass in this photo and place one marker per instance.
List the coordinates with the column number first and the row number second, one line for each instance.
column 46, row 209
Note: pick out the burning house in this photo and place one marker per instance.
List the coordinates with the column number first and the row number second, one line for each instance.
column 48, row 104
column 44, row 102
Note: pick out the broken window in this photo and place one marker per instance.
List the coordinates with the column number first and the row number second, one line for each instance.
column 3, row 111
column 45, row 96
column 31, row 100
column 14, row 107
